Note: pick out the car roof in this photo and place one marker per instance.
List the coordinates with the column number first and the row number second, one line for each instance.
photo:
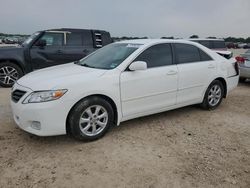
column 205, row 39
column 72, row 30
column 155, row 41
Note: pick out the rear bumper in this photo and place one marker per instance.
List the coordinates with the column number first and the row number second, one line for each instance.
column 244, row 72
column 232, row 82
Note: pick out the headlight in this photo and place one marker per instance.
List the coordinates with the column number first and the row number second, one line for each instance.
column 44, row 96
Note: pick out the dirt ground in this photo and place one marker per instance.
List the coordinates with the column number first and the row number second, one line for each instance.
column 188, row 147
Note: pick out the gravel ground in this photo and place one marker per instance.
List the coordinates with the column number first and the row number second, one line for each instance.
column 188, row 147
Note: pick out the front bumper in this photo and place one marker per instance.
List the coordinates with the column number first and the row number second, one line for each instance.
column 50, row 116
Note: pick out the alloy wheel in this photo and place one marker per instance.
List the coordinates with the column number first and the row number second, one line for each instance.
column 214, row 95
column 8, row 75
column 93, row 120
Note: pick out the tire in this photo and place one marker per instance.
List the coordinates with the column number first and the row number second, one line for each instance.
column 9, row 74
column 86, row 123
column 242, row 80
column 213, row 96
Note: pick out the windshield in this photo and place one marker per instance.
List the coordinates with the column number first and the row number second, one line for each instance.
column 30, row 38
column 109, row 57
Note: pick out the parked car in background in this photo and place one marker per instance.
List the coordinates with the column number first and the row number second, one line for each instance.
column 10, row 40
column 242, row 45
column 121, row 81
column 218, row 45
column 244, row 65
column 231, row 45
column 247, row 46
column 48, row 48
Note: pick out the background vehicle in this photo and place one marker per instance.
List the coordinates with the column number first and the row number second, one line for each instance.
column 247, row 46
column 231, row 45
column 244, row 65
column 218, row 45
column 242, row 45
column 48, row 48
column 10, row 40
column 121, row 81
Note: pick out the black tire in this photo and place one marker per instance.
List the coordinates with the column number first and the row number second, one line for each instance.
column 242, row 80
column 77, row 112
column 9, row 65
column 206, row 104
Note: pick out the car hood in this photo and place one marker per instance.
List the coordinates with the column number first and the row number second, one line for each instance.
column 59, row 77
column 11, row 48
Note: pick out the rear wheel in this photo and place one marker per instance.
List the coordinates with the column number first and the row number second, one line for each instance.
column 213, row 95
column 9, row 74
column 90, row 119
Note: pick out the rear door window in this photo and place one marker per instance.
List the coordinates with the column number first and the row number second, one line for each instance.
column 186, row 53
column 87, row 38
column 74, row 39
column 205, row 56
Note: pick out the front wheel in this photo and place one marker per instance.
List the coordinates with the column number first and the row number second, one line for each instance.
column 9, row 74
column 213, row 96
column 90, row 119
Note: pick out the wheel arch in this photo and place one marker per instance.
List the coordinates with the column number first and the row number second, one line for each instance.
column 105, row 97
column 16, row 62
column 224, row 83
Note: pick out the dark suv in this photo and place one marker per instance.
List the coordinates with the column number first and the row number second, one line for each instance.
column 48, row 48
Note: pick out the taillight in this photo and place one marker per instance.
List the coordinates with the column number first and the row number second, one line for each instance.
column 240, row 59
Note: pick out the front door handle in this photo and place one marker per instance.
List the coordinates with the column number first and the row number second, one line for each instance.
column 59, row 51
column 172, row 72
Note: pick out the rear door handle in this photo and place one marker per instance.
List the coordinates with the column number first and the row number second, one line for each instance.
column 171, row 72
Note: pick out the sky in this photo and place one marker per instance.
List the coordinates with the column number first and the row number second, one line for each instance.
column 151, row 18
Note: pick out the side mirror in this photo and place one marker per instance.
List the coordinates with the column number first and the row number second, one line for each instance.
column 41, row 43
column 138, row 65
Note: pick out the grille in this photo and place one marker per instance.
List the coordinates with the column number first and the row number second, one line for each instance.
column 17, row 95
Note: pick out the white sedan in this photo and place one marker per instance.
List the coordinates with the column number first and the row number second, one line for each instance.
column 121, row 81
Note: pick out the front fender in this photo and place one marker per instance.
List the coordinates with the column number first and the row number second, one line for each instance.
column 15, row 56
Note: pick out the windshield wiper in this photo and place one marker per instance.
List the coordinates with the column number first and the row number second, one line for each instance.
column 85, row 65
column 76, row 62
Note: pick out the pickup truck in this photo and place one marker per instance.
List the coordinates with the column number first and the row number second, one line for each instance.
column 48, row 48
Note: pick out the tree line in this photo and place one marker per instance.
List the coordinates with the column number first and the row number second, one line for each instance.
column 229, row 39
